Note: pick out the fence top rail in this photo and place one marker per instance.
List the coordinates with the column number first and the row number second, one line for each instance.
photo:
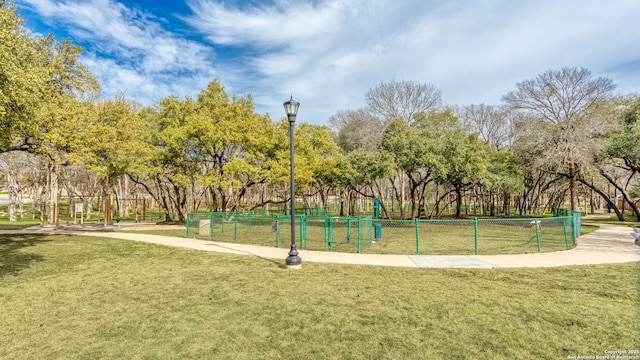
column 278, row 217
column 555, row 218
column 324, row 217
column 394, row 220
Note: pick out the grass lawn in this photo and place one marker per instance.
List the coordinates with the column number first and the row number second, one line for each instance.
column 5, row 224
column 630, row 221
column 89, row 298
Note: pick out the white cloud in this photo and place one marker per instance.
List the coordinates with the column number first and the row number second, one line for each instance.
column 143, row 87
column 329, row 53
column 132, row 40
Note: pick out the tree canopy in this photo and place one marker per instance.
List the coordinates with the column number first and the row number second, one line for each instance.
column 559, row 131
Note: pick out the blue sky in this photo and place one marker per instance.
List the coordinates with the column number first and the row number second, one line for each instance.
column 329, row 53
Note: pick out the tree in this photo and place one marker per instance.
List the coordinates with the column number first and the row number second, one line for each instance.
column 567, row 108
column 405, row 101
column 317, row 161
column 467, row 163
column 492, row 123
column 400, row 99
column 419, row 152
column 215, row 146
column 623, row 149
column 356, row 130
column 23, row 79
column 505, row 176
column 167, row 169
column 110, row 143
column 66, row 104
column 362, row 172
column 236, row 144
column 13, row 166
column 41, row 83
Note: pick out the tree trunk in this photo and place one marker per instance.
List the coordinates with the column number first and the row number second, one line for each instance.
column 458, row 201
column 108, row 216
column 401, row 199
column 13, row 192
column 506, row 204
column 572, row 186
column 21, row 204
column 88, row 207
column 606, row 197
column 53, row 213
column 625, row 196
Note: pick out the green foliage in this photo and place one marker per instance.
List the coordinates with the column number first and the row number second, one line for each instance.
column 624, row 143
column 41, row 84
column 231, row 139
column 467, row 159
column 318, row 156
column 505, row 172
column 364, row 168
column 112, row 139
column 23, row 79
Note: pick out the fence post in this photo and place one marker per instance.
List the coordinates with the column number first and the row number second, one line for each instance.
column 211, row 226
column 325, row 228
column 235, row 228
column 303, row 232
column 187, row 234
column 564, row 229
column 370, row 232
column 537, row 225
column 577, row 225
column 329, row 238
column 417, row 238
column 359, row 222
column 348, row 229
column 277, row 233
column 475, row 232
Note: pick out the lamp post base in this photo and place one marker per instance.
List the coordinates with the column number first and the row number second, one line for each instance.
column 293, row 261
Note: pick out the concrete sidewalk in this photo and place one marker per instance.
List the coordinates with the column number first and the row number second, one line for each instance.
column 607, row 245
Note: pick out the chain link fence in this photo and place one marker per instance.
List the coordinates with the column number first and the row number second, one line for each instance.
column 363, row 234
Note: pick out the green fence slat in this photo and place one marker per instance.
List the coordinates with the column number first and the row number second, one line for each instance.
column 235, row 229
column 359, row 222
column 564, row 230
column 277, row 233
column 417, row 238
column 475, row 234
column 536, row 224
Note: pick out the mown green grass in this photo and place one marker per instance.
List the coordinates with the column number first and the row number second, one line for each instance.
column 5, row 224
column 630, row 220
column 88, row 298
column 33, row 214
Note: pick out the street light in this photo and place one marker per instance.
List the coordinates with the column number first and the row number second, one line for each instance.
column 293, row 261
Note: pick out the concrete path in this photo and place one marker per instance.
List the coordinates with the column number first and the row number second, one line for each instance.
column 607, row 245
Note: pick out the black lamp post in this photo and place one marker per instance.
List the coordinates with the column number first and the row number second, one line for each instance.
column 293, row 261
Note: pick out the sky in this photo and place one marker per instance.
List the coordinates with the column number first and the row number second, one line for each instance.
column 328, row 54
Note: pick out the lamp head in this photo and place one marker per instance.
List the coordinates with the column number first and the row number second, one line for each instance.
column 291, row 107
